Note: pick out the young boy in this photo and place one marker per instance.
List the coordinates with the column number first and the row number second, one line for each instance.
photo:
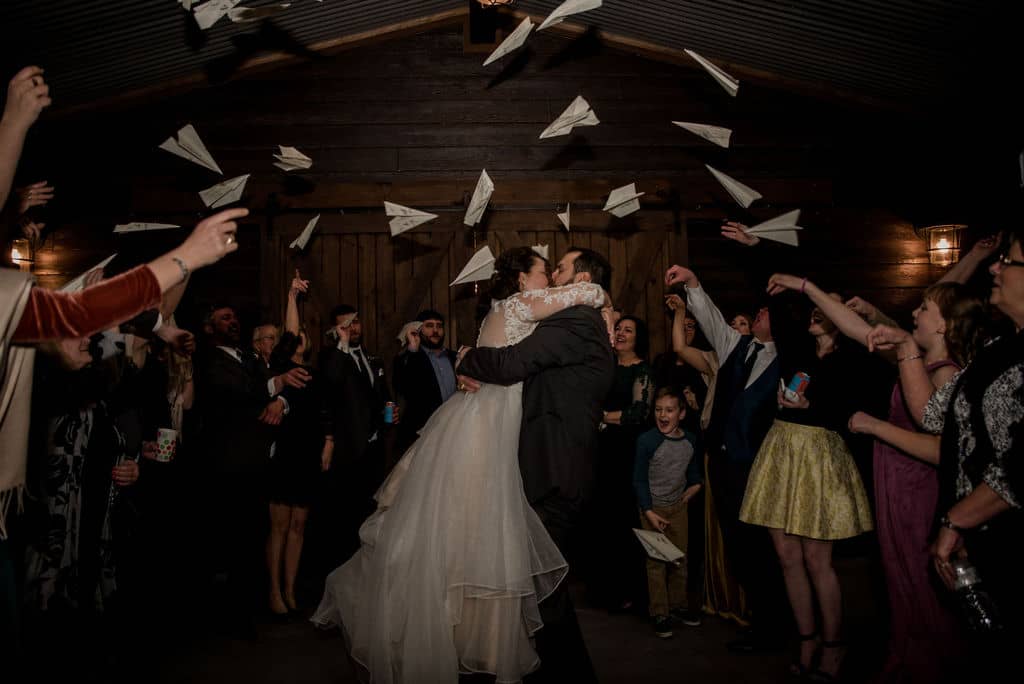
column 667, row 474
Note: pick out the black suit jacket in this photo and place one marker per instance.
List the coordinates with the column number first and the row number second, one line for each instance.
column 230, row 396
column 567, row 367
column 355, row 406
column 416, row 386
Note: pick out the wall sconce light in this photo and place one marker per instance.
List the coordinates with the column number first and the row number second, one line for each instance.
column 21, row 253
column 943, row 242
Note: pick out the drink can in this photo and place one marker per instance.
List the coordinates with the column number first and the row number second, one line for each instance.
column 798, row 383
column 389, row 412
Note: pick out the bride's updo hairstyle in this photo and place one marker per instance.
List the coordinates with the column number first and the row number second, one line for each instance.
column 507, row 267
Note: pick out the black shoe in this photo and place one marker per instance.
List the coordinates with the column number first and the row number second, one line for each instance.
column 683, row 616
column 662, row 626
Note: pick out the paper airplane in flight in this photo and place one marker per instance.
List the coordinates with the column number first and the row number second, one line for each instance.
column 730, row 84
column 290, row 159
column 300, row 242
column 241, row 15
column 568, row 8
column 209, row 13
column 189, row 146
column 716, row 134
column 780, row 229
column 481, row 196
column 623, row 201
column 744, row 195
column 564, row 217
column 224, row 193
column 405, row 218
column 480, row 267
column 78, row 283
column 541, row 250
column 139, row 227
column 514, row 41
column 578, row 113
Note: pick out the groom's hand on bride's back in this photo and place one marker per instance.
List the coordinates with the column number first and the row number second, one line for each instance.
column 467, row 384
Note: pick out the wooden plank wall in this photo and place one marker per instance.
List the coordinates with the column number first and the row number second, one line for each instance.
column 414, row 120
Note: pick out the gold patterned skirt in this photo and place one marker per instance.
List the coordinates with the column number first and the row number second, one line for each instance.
column 804, row 481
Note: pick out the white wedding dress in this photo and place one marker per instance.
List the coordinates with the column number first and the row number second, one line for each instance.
column 454, row 561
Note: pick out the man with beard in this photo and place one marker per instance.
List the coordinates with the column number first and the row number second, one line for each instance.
column 238, row 403
column 424, row 376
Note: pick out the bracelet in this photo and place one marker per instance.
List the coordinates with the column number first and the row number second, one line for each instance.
column 944, row 521
column 182, row 266
column 802, row 285
column 909, row 358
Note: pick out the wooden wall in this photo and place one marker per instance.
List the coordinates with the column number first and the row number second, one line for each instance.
column 414, row 120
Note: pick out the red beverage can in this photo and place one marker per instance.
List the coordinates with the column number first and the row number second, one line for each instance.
column 798, row 383
column 389, row 412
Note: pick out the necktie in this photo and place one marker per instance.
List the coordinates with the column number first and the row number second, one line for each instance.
column 357, row 356
column 748, row 365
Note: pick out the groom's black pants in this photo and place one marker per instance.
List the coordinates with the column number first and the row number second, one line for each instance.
column 563, row 654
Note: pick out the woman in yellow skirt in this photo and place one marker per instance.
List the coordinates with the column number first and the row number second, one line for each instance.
column 804, row 485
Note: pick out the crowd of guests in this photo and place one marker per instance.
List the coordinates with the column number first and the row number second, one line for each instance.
column 145, row 468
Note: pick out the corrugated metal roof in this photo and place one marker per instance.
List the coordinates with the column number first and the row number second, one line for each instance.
column 906, row 51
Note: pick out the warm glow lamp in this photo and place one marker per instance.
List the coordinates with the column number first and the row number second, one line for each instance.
column 943, row 242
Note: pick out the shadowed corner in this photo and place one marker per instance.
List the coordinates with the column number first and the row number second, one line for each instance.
column 576, row 150
column 512, row 69
column 588, row 44
column 269, row 38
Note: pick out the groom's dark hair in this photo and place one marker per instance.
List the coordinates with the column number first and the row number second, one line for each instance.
column 589, row 261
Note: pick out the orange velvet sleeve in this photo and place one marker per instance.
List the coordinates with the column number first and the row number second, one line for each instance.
column 53, row 315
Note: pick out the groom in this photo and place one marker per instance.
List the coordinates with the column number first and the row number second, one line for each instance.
column 567, row 368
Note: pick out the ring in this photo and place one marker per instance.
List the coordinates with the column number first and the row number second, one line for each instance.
column 462, row 387
column 229, row 240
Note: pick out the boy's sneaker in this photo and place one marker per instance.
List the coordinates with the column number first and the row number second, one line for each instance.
column 690, row 618
column 662, row 626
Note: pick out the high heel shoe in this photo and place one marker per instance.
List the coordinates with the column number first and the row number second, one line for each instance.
column 797, row 669
column 823, row 677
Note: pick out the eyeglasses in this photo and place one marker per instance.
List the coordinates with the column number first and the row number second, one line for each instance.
column 1005, row 261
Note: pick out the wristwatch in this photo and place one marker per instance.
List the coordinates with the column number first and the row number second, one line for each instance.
column 946, row 522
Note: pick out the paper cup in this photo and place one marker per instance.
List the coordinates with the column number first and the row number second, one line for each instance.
column 166, row 444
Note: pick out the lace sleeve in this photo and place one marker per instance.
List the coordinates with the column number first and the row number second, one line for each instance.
column 935, row 410
column 536, row 305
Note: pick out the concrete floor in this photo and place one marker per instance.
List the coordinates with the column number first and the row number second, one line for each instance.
column 623, row 647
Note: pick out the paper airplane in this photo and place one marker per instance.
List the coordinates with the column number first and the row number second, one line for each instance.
column 623, row 201
column 730, row 84
column 480, row 267
column 209, row 13
column 541, row 250
column 564, row 218
column 189, row 146
column 481, row 196
column 743, row 194
column 578, row 113
column 568, row 8
column 290, row 159
column 716, row 134
column 187, row 4
column 658, row 546
column 300, row 242
column 241, row 15
column 514, row 41
column 139, row 227
column 780, row 229
column 224, row 193
column 78, row 283
column 405, row 218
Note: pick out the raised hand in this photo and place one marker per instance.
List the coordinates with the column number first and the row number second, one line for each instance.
column 27, row 95
column 31, row 229
column 884, row 337
column 212, row 239
column 680, row 274
column 862, row 308
column 298, row 285
column 780, row 282
column 737, row 232
column 180, row 341
column 412, row 340
column 675, row 303
column 985, row 247
column 35, row 195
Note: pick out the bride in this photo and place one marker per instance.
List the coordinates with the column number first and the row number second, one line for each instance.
column 454, row 561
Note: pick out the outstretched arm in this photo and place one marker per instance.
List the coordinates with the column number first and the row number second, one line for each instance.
column 962, row 270
column 291, row 313
column 689, row 355
column 548, row 347
column 918, row 444
column 917, row 386
column 722, row 337
column 27, row 94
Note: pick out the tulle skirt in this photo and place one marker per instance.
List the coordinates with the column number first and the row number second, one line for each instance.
column 454, row 561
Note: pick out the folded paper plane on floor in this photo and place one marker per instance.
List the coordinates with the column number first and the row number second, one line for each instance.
column 744, row 195
column 658, row 546
column 623, row 201
column 307, row 232
column 780, row 229
column 224, row 193
column 480, row 267
column 405, row 218
column 578, row 113
column 481, row 196
column 189, row 146
column 568, row 8
column 716, row 134
column 513, row 42
column 730, row 84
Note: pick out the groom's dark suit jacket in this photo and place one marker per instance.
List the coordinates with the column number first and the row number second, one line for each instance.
column 567, row 368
